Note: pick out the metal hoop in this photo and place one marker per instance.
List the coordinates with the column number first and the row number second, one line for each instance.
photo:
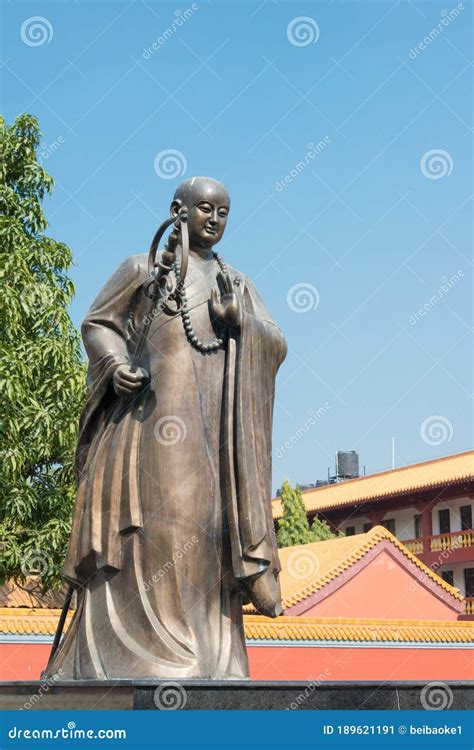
column 181, row 219
column 160, row 285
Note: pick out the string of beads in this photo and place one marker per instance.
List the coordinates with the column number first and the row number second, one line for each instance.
column 196, row 342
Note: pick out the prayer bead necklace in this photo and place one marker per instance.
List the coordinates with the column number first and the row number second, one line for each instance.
column 196, row 342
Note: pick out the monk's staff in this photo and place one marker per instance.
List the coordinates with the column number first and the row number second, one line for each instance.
column 160, row 289
column 62, row 620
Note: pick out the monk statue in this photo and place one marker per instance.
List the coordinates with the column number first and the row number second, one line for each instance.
column 172, row 530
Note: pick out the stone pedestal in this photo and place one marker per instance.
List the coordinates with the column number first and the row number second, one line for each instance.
column 232, row 695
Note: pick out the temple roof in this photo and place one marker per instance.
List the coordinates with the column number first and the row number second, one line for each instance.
column 29, row 594
column 22, row 621
column 307, row 568
column 402, row 481
column 357, row 629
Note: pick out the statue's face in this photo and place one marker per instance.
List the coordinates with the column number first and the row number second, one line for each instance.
column 208, row 203
column 207, row 221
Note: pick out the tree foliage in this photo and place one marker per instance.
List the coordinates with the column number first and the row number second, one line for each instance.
column 42, row 377
column 293, row 526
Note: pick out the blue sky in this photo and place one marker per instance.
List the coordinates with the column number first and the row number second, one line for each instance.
column 371, row 223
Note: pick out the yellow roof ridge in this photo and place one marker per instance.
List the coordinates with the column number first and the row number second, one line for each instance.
column 396, row 470
column 30, row 612
column 351, row 549
column 336, row 620
column 382, row 532
column 358, row 629
column 41, row 621
column 33, row 621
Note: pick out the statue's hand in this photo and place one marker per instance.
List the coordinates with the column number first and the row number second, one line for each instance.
column 226, row 310
column 126, row 382
column 265, row 594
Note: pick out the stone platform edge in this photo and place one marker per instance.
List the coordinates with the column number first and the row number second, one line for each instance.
column 234, row 695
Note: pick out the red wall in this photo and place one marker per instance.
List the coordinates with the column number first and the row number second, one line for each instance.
column 399, row 595
column 359, row 663
column 24, row 661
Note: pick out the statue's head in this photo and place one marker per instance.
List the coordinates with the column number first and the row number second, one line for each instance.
column 208, row 204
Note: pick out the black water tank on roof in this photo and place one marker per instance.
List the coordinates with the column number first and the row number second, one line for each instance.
column 347, row 464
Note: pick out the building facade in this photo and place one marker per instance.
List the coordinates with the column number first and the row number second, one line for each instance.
column 428, row 506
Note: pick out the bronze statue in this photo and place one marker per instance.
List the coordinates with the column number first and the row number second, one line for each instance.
column 172, row 528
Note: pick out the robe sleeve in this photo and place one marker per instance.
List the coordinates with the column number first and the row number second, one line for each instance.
column 106, row 330
column 106, row 326
column 260, row 350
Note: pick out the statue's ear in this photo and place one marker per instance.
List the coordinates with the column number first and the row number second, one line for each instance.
column 175, row 206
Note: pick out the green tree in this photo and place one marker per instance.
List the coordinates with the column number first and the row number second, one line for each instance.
column 293, row 526
column 320, row 530
column 42, row 376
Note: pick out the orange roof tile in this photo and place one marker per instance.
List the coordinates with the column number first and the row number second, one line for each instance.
column 29, row 594
column 402, row 481
column 20, row 621
column 307, row 568
column 353, row 629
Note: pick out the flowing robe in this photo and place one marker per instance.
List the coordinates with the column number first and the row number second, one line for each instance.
column 173, row 507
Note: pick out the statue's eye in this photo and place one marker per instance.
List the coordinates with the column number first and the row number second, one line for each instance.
column 223, row 212
column 205, row 207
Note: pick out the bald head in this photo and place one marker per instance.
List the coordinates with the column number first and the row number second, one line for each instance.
column 208, row 204
column 197, row 189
